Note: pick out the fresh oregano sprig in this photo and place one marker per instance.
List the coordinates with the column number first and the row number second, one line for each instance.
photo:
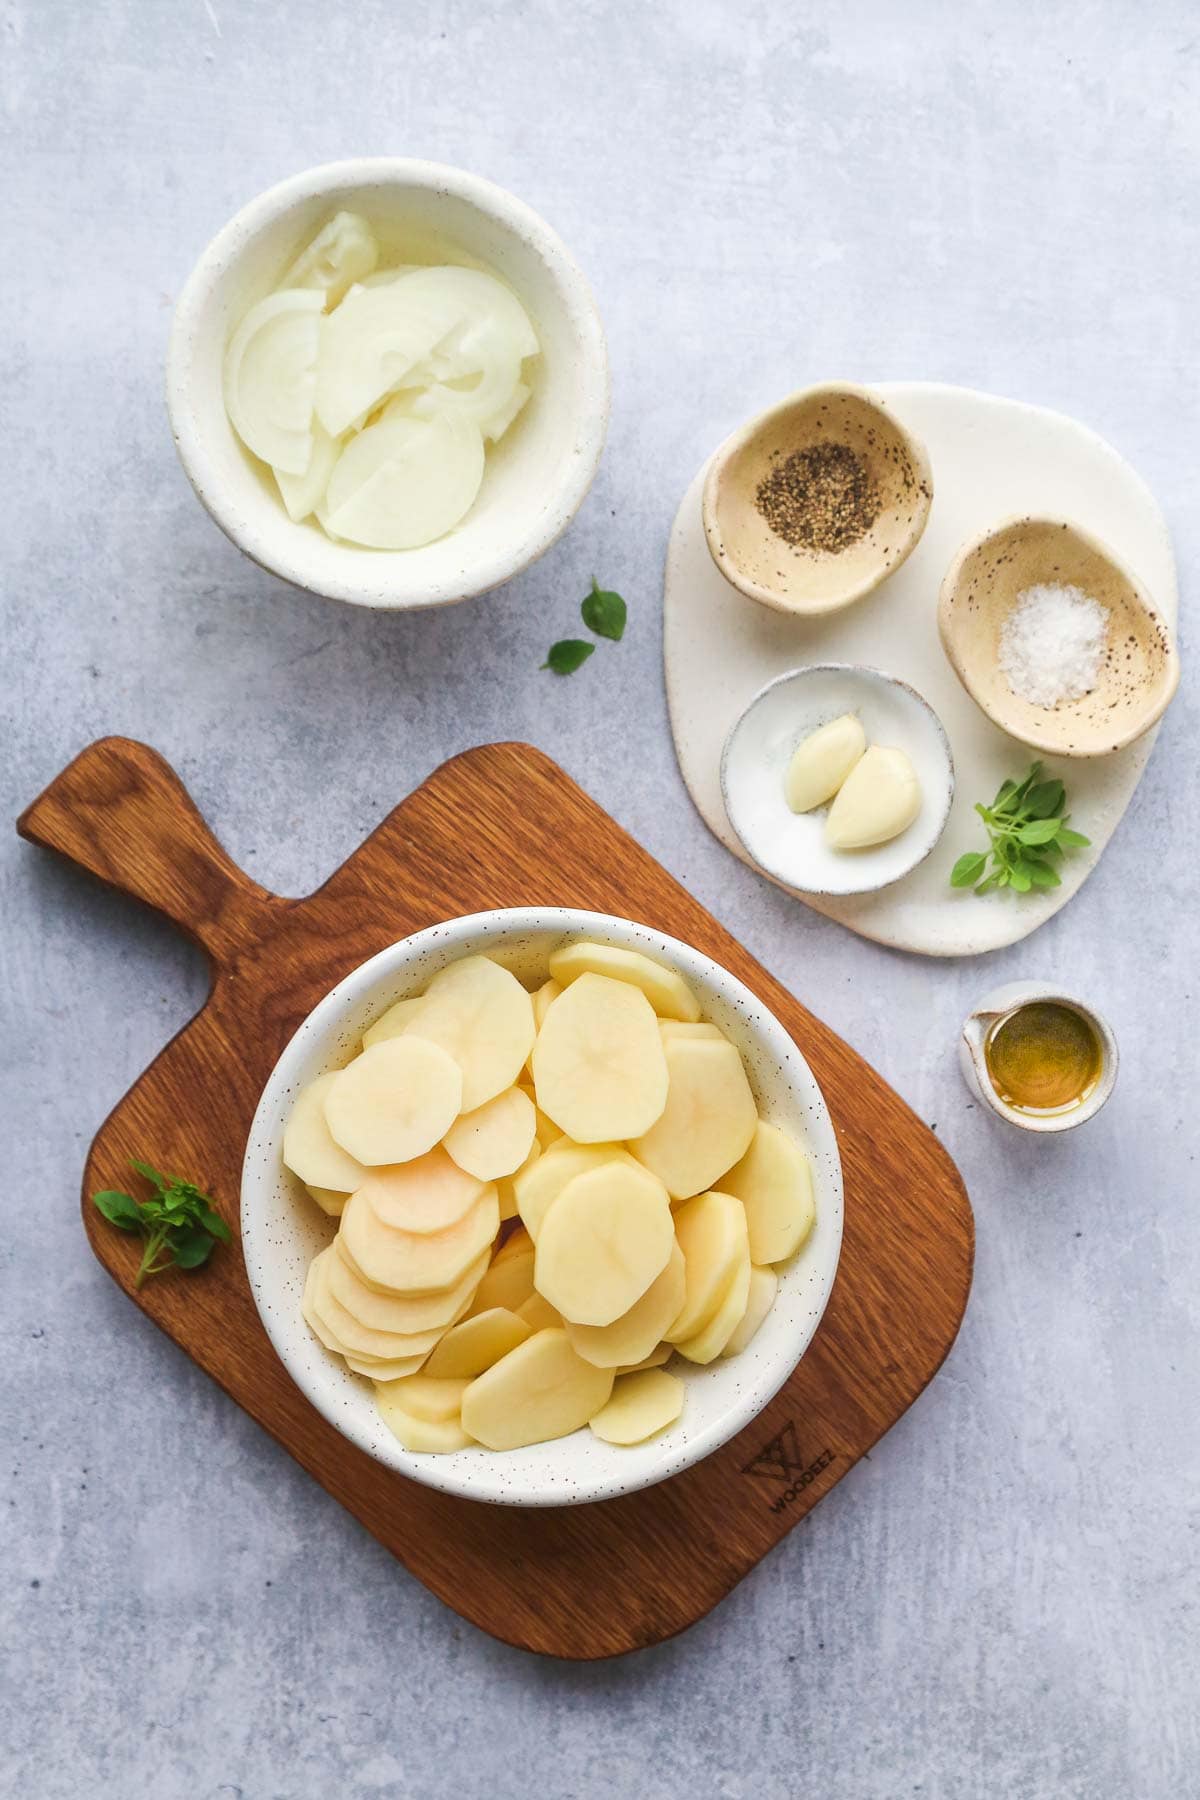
column 604, row 613
column 1028, row 832
column 177, row 1222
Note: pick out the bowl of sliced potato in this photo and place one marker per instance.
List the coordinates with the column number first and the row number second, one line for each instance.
column 541, row 1206
column 387, row 382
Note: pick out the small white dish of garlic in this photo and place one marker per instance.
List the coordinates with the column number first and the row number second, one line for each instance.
column 837, row 779
column 373, row 390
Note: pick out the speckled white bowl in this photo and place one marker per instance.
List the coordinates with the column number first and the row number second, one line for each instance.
column 790, row 846
column 538, row 474
column 282, row 1230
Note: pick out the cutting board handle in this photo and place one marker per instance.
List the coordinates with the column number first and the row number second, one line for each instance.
column 122, row 813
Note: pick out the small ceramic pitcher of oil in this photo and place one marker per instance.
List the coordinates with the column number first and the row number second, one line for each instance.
column 1037, row 1057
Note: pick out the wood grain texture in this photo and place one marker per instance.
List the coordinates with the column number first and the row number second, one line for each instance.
column 581, row 1582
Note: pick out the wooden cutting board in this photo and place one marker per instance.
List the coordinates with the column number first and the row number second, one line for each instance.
column 501, row 826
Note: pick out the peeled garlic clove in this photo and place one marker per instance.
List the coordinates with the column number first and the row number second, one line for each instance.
column 879, row 799
column 368, row 345
column 270, row 378
column 302, row 493
column 404, row 482
column 344, row 251
column 822, row 762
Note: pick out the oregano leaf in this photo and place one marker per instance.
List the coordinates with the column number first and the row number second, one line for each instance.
column 605, row 613
column 567, row 655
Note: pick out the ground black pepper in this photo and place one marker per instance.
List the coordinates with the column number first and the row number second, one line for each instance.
column 819, row 498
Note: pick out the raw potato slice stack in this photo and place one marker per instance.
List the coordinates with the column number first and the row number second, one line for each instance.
column 647, row 1203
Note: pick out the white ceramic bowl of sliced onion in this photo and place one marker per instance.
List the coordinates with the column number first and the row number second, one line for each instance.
column 535, row 476
column 282, row 1230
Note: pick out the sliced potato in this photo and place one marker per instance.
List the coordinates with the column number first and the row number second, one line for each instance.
column 428, row 1194
column 764, row 1285
column 606, row 1237
column 517, row 1243
column 711, row 1230
column 716, row 1332
column 384, row 1371
column 476, row 1343
column 399, row 1312
column 774, row 1182
column 662, row 1353
column 328, row 1199
column 308, row 1149
column 350, row 1335
column 598, row 1064
column 549, row 990
column 480, row 1015
column 678, row 1028
column 391, row 1023
column 506, row 1186
column 409, row 1262
column 544, row 1129
column 635, row 1334
column 541, row 1390
column 709, row 1119
column 538, row 1188
column 425, row 1435
column 395, row 1101
column 667, row 991
column 538, row 1313
column 432, row 1397
column 508, row 1283
column 496, row 1138
column 641, row 1405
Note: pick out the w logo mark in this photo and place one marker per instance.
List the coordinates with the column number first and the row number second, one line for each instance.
column 780, row 1460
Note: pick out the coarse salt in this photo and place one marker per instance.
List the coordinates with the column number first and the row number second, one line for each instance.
column 1052, row 643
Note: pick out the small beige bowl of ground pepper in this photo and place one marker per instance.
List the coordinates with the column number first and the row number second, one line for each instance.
column 813, row 503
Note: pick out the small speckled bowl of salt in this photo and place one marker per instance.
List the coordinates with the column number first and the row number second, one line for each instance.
column 1055, row 640
column 1052, row 644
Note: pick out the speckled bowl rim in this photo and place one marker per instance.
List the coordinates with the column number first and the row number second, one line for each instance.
column 1161, row 694
column 590, row 1470
column 577, row 472
column 858, row 670
column 737, row 440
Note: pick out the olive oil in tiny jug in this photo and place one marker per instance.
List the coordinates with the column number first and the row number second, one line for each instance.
column 1037, row 1057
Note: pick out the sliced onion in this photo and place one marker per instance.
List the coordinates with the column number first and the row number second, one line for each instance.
column 302, row 493
column 405, row 481
column 495, row 427
column 368, row 345
column 490, row 366
column 271, row 378
column 344, row 251
column 385, row 277
column 469, row 296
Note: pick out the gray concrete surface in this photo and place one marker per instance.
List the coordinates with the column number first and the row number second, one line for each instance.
column 1002, row 1602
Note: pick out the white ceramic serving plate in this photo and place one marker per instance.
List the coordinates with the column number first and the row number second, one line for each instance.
column 536, row 476
column 992, row 459
column 282, row 1229
column 790, row 846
